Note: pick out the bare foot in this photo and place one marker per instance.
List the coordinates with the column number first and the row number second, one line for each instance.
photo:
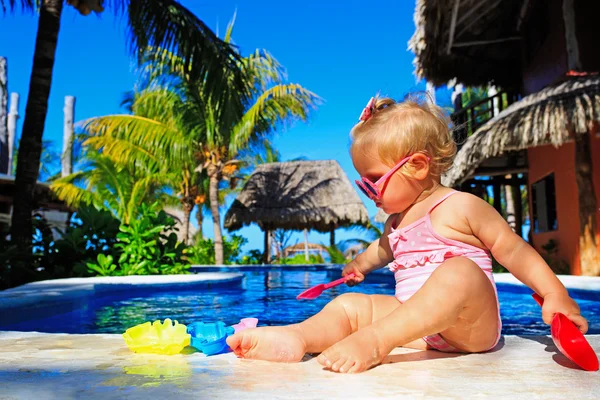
column 356, row 353
column 271, row 343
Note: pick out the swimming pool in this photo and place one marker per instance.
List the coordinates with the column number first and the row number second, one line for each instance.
column 270, row 296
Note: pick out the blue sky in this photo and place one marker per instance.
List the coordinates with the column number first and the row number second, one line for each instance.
column 345, row 51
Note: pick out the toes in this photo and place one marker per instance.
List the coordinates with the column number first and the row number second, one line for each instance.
column 240, row 343
column 323, row 360
column 347, row 365
column 358, row 366
column 337, row 365
column 233, row 342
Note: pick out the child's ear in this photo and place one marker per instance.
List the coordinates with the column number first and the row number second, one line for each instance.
column 420, row 164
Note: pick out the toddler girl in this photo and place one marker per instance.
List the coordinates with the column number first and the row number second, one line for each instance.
column 438, row 243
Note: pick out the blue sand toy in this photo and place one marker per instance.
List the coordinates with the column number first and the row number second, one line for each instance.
column 209, row 337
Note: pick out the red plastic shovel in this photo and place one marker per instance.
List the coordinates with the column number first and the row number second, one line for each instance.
column 316, row 291
column 570, row 341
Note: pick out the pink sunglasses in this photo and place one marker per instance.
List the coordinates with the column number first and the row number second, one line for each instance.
column 370, row 189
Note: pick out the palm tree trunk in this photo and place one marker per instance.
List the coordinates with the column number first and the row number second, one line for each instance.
column 200, row 220
column 588, row 229
column 213, row 174
column 187, row 212
column 30, row 147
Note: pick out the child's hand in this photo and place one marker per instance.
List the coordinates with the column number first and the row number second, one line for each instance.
column 351, row 267
column 562, row 303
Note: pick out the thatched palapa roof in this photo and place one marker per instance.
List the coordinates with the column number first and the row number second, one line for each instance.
column 474, row 41
column 550, row 116
column 295, row 195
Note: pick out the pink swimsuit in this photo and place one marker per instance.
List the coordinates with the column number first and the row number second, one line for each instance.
column 418, row 251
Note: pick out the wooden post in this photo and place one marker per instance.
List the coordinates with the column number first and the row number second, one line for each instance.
column 588, row 227
column 458, row 118
column 589, row 256
column 267, row 253
column 306, row 245
column 497, row 196
column 67, row 153
column 572, row 45
column 13, row 116
column 510, row 205
column 518, row 202
column 3, row 116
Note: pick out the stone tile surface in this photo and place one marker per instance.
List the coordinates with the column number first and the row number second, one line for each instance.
column 59, row 366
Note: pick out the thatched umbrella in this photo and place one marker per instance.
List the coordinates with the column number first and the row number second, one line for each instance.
column 553, row 115
column 297, row 195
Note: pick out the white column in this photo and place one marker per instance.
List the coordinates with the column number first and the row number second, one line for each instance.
column 67, row 152
column 13, row 116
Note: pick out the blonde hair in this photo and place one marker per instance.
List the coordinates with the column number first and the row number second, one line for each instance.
column 398, row 129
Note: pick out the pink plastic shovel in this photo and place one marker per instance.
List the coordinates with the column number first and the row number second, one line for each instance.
column 316, row 291
column 570, row 341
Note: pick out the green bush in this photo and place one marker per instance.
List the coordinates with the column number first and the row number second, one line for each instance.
column 300, row 258
column 254, row 257
column 90, row 233
column 203, row 252
column 146, row 246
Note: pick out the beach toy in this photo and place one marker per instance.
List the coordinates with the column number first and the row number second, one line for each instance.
column 316, row 291
column 156, row 337
column 570, row 341
column 210, row 337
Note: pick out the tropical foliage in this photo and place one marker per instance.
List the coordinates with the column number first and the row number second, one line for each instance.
column 146, row 246
column 178, row 125
column 150, row 24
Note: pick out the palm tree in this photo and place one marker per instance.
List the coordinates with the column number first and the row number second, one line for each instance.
column 122, row 139
column 151, row 23
column 209, row 131
column 112, row 186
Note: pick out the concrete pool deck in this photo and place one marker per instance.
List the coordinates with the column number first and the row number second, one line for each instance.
column 44, row 366
column 58, row 366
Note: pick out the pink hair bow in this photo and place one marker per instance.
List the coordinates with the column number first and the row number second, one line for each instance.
column 367, row 112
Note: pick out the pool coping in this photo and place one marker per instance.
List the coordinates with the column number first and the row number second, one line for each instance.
column 34, row 297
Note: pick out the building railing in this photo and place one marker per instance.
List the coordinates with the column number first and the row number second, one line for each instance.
column 467, row 120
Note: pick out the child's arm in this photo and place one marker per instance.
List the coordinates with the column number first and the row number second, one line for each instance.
column 522, row 260
column 377, row 255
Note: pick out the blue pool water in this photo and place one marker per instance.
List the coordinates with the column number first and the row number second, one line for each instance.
column 270, row 296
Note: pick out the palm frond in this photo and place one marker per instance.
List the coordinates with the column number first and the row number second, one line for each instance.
column 275, row 105
column 74, row 196
column 15, row 5
column 125, row 137
column 169, row 25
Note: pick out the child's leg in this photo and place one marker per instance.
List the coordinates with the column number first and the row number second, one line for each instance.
column 339, row 318
column 457, row 301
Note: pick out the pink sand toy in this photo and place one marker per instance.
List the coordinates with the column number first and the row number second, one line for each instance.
column 315, row 291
